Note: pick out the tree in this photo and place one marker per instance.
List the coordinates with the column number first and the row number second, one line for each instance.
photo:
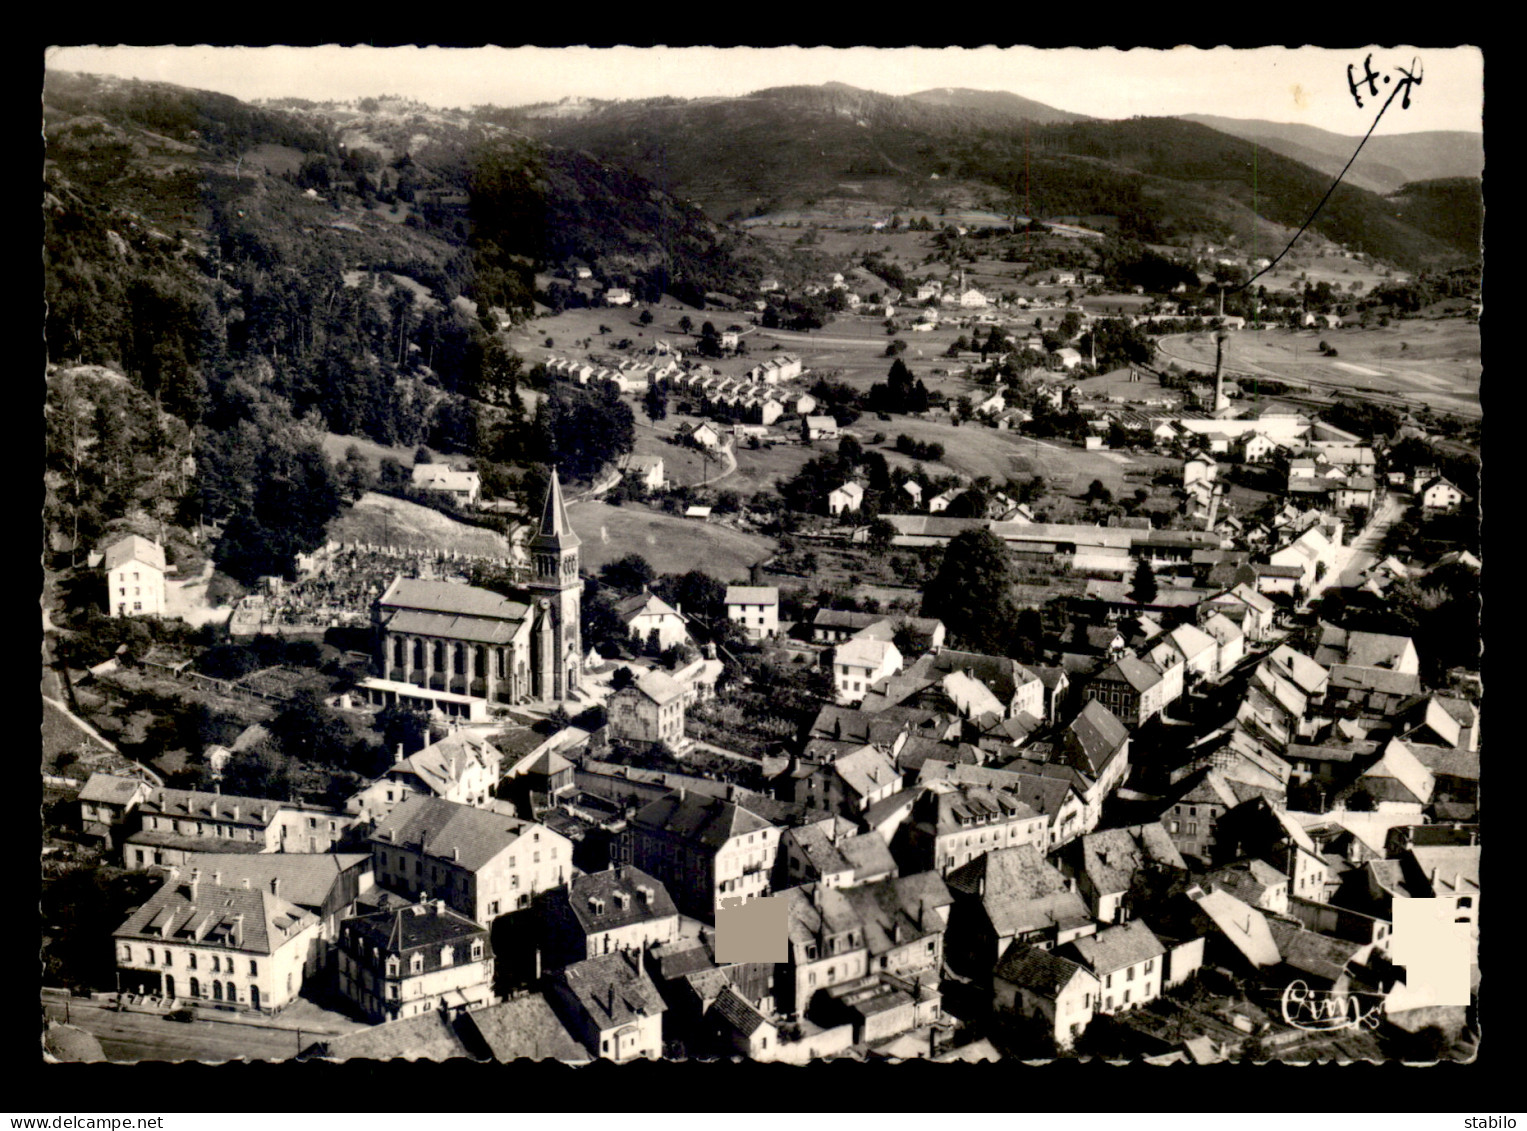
column 645, row 318
column 403, row 730
column 1143, row 588
column 1097, row 492
column 881, row 533
column 972, row 592
column 655, row 402
column 686, row 323
column 631, row 573
column 622, row 679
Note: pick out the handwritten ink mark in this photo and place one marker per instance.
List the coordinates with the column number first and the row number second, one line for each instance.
column 1371, row 79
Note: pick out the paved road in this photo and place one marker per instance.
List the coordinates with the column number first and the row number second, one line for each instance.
column 1353, row 560
column 145, row 1036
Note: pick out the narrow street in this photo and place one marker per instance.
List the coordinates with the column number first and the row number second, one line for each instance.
column 1353, row 560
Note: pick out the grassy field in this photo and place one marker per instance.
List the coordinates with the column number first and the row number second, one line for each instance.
column 1433, row 363
column 974, row 450
column 381, row 520
column 671, row 544
column 335, row 446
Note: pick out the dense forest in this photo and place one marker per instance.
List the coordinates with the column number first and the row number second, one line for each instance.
column 261, row 282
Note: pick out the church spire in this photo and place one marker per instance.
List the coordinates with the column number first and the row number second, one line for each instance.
column 555, row 528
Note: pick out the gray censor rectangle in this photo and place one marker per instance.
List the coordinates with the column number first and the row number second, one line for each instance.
column 754, row 931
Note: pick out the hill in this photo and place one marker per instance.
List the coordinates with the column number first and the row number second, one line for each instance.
column 1159, row 179
column 1451, row 210
column 1387, row 161
column 996, row 102
column 270, row 273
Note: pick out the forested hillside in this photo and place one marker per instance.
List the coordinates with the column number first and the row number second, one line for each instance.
column 1157, row 178
column 263, row 277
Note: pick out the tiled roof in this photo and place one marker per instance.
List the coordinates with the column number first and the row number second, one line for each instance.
column 134, row 549
column 1136, row 673
column 898, row 910
column 612, row 990
column 1376, row 650
column 1114, row 948
column 752, row 595
column 947, row 804
column 594, row 900
column 1400, row 765
column 820, row 849
column 1040, row 971
column 1383, row 680
column 110, row 789
column 478, row 834
column 248, row 920
column 709, row 821
column 643, row 604
column 448, row 597
column 1310, row 952
column 868, row 853
column 1019, row 889
column 441, row 765
column 1099, row 734
column 305, row 878
column 429, row 1036
column 738, row 1013
column 1248, row 880
column 1112, row 858
column 865, row 770
column 253, row 812
column 1243, row 925
column 422, row 929
column 1305, row 673
column 524, row 1027
column 1457, row 868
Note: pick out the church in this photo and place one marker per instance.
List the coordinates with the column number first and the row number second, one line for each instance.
column 458, row 648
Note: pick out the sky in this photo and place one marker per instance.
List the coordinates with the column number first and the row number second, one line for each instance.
column 1306, row 85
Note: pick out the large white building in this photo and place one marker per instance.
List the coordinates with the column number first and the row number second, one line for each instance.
column 135, row 578
column 235, row 945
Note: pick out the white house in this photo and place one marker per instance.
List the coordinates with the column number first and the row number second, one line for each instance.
column 755, row 608
column 617, row 296
column 859, row 662
column 646, row 470
column 646, row 613
column 821, row 427
column 135, row 577
column 1440, row 495
column 845, row 498
column 1199, row 467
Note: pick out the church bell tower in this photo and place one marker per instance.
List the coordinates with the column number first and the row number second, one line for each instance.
column 556, row 593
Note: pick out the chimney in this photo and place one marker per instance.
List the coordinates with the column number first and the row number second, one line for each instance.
column 400, row 752
column 217, row 879
column 455, row 854
column 439, row 907
column 683, row 793
column 246, row 883
column 275, row 885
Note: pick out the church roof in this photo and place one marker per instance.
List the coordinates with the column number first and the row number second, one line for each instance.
column 555, row 528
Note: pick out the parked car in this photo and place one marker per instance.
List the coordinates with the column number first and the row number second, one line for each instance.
column 181, row 1014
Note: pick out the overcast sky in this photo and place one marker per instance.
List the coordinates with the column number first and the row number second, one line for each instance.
column 1306, row 85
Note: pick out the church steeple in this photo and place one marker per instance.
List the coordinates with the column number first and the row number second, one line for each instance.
column 556, row 531
column 557, row 590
